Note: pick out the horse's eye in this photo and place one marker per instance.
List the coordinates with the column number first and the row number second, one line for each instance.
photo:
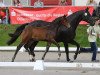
column 85, row 14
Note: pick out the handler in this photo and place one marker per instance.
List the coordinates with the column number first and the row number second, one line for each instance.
column 93, row 32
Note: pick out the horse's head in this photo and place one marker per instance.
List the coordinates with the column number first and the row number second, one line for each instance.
column 65, row 22
column 87, row 17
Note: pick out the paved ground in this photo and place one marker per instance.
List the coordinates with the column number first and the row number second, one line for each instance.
column 24, row 57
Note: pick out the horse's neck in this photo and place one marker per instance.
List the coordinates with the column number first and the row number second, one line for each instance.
column 75, row 22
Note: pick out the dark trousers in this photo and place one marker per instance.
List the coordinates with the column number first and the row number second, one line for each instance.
column 92, row 49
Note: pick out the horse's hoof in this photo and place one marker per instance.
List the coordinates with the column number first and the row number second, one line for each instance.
column 42, row 58
column 79, row 52
column 75, row 56
column 71, row 61
column 58, row 58
column 68, row 60
column 12, row 61
column 32, row 60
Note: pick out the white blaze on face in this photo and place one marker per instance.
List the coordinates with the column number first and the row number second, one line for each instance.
column 85, row 14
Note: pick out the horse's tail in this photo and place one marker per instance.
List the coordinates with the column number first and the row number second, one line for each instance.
column 16, row 34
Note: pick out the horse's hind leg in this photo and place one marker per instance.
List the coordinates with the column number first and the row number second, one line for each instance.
column 27, row 49
column 18, row 48
column 31, row 47
column 59, row 52
column 47, row 49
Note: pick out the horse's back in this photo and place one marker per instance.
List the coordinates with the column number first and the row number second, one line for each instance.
column 39, row 23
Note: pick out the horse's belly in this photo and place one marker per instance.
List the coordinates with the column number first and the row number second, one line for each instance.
column 39, row 36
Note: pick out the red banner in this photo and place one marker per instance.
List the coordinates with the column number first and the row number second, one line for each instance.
column 24, row 15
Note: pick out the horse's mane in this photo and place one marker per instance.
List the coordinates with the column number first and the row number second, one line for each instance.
column 38, row 23
column 74, row 15
column 57, row 19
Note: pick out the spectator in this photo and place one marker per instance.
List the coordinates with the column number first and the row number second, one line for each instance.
column 38, row 3
column 91, row 3
column 16, row 3
column 96, row 11
column 2, row 16
column 1, row 3
column 63, row 2
column 93, row 32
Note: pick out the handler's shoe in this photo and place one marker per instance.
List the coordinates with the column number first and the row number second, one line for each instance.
column 95, row 60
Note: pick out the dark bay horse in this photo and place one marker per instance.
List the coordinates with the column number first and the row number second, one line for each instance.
column 63, row 35
column 46, row 33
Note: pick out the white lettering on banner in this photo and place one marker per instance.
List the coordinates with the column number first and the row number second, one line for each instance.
column 26, row 14
column 19, row 16
column 13, row 13
column 40, row 15
column 23, row 19
column 49, row 15
column 70, row 12
column 58, row 15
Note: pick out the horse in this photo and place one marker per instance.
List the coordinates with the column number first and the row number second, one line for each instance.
column 47, row 33
column 63, row 35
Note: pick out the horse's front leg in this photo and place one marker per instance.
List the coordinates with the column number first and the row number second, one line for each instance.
column 66, row 51
column 56, row 43
column 73, row 42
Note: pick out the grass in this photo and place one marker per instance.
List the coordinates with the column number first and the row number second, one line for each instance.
column 81, row 36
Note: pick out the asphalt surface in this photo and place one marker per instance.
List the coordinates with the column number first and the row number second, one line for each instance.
column 50, row 57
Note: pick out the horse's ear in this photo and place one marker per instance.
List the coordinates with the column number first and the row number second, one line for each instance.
column 87, row 9
column 64, row 16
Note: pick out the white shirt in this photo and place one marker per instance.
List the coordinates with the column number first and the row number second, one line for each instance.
column 92, row 36
column 97, row 29
column 93, row 31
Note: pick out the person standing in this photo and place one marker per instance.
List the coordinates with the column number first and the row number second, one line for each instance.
column 17, row 3
column 38, row 4
column 96, row 11
column 91, row 3
column 2, row 16
column 93, row 32
column 1, row 3
column 63, row 3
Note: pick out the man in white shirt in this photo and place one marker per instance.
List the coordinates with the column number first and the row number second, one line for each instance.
column 38, row 3
column 93, row 32
column 1, row 3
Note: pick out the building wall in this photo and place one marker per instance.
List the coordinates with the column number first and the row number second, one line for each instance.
column 83, row 2
column 25, row 2
column 7, row 2
column 51, row 2
column 10, row 2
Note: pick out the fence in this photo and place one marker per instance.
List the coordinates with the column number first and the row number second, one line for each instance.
column 13, row 48
column 41, row 65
